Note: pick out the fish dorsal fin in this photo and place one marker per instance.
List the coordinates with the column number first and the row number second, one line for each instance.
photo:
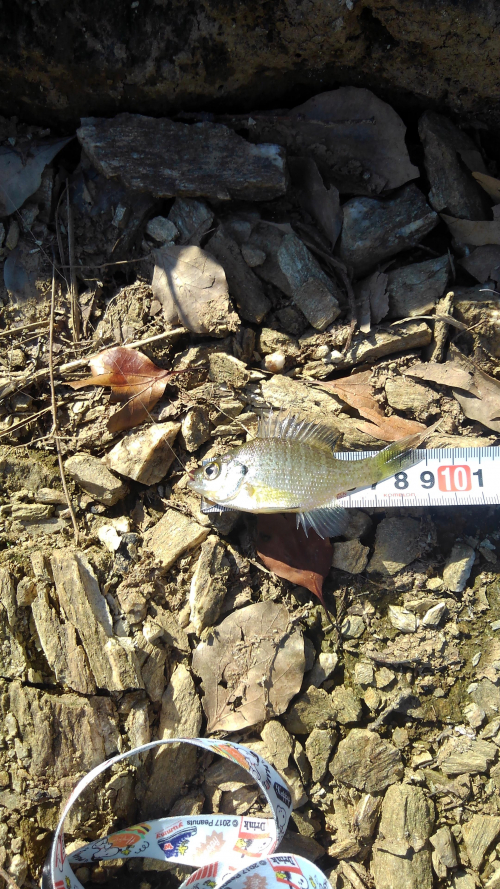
column 289, row 427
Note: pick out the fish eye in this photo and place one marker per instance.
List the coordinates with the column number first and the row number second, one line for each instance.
column 211, row 471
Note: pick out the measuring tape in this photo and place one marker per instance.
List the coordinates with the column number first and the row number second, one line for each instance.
column 228, row 851
column 442, row 477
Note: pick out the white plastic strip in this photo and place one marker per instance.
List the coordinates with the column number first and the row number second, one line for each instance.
column 228, row 851
column 442, row 477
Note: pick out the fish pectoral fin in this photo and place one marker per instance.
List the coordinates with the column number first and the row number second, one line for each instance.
column 329, row 521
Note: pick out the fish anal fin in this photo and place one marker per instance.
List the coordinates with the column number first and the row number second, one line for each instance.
column 289, row 427
column 328, row 521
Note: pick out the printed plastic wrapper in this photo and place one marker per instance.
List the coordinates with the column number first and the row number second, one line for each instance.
column 227, row 851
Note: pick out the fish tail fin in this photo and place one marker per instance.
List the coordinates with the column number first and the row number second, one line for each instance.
column 401, row 454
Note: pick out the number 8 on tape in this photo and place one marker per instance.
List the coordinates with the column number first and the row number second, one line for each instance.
column 228, row 851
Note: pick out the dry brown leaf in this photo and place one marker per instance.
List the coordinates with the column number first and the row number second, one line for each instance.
column 477, row 393
column 468, row 231
column 287, row 552
column 192, row 288
column 449, row 374
column 490, row 185
column 133, row 378
column 363, row 135
column 483, row 263
column 357, row 392
column 251, row 666
column 483, row 406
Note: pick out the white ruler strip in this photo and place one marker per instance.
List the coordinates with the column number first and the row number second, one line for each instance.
column 442, row 477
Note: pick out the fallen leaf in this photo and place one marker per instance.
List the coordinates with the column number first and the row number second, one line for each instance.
column 133, row 378
column 483, row 406
column 251, row 665
column 448, row 374
column 490, row 185
column 483, row 263
column 356, row 391
column 21, row 171
column 477, row 393
column 287, row 552
column 192, row 288
column 320, row 201
column 477, row 234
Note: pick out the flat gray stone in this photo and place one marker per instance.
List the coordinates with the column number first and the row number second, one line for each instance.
column 415, row 289
column 401, row 854
column 397, row 543
column 91, row 474
column 162, row 230
column 169, row 159
column 313, row 708
column 245, row 287
column 293, row 269
column 479, row 833
column 191, row 218
column 145, row 455
column 487, row 696
column 195, row 429
column 319, row 746
column 208, row 584
column 375, row 230
column 172, row 536
column 174, row 765
column 463, row 755
column 458, row 567
column 448, row 152
column 365, row 761
column 350, row 556
column 346, row 705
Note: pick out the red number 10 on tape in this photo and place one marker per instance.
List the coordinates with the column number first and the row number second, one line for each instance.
column 454, row 478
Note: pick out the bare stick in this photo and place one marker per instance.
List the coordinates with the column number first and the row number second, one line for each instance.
column 36, row 326
column 8, row 879
column 73, row 287
column 81, row 362
column 55, row 428
column 437, row 347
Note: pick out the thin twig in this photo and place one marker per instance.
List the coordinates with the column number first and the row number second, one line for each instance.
column 35, row 325
column 73, row 286
column 81, row 362
column 22, row 379
column 60, row 244
column 104, row 265
column 55, row 428
column 8, row 879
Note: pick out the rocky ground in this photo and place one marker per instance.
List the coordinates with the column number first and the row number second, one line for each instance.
column 268, row 262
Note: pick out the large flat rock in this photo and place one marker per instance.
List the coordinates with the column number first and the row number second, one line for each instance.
column 154, row 58
column 166, row 158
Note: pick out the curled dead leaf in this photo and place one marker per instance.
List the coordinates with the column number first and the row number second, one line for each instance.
column 287, row 552
column 251, row 666
column 133, row 378
column 356, row 391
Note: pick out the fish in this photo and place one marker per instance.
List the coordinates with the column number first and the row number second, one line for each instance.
column 291, row 467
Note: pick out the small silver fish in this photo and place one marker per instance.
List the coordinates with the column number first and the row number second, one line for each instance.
column 290, row 467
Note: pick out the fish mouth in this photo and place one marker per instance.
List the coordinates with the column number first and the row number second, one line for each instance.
column 191, row 476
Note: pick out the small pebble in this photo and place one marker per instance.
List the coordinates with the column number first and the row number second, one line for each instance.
column 402, row 619
column 476, row 658
column 274, row 362
column 474, row 715
column 432, row 617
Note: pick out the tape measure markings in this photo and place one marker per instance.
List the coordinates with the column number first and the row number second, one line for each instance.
column 452, row 477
